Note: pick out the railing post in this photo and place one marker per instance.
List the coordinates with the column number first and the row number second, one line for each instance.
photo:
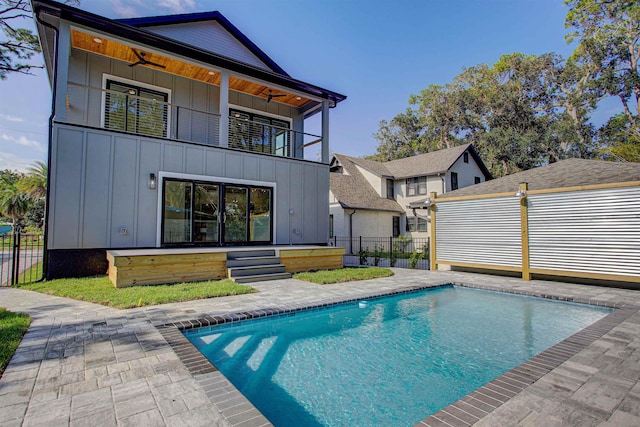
column 16, row 258
column 325, row 132
column 524, row 230
column 432, row 244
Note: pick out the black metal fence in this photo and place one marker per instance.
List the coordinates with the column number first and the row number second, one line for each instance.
column 400, row 252
column 21, row 258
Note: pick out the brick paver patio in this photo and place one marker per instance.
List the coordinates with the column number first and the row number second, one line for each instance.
column 88, row 365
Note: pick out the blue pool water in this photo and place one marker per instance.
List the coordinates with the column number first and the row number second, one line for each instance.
column 390, row 362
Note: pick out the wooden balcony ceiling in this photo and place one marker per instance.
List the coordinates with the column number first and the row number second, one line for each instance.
column 122, row 52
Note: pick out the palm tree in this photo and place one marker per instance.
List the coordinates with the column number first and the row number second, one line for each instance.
column 35, row 183
column 14, row 204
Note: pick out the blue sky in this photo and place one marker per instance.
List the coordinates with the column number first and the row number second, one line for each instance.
column 376, row 52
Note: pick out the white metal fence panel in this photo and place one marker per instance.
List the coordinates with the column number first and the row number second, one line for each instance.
column 480, row 231
column 593, row 231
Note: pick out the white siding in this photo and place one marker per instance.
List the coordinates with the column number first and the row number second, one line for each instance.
column 466, row 173
column 211, row 36
column 374, row 180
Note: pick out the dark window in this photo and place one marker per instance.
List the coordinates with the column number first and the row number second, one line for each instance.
column 135, row 109
column 465, row 157
column 253, row 132
column 422, row 224
column 396, row 226
column 390, row 194
column 477, row 180
column 331, row 226
column 454, row 181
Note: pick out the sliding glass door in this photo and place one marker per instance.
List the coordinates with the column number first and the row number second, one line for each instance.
column 207, row 213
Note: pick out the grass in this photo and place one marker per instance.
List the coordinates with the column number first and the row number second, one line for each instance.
column 342, row 275
column 12, row 327
column 101, row 291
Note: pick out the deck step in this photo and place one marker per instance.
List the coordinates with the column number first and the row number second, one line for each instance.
column 256, row 260
column 253, row 270
column 261, row 277
column 251, row 254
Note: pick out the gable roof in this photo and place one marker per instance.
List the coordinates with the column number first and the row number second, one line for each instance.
column 431, row 163
column 51, row 12
column 565, row 173
column 353, row 191
column 153, row 21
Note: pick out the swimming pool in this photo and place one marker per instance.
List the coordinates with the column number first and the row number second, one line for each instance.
column 392, row 361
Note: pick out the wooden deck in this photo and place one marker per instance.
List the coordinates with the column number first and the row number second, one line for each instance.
column 133, row 267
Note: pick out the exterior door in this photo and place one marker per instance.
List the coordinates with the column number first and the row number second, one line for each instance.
column 208, row 213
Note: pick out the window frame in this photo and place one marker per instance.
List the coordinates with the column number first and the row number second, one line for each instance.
column 465, row 157
column 477, row 180
column 107, row 78
column 331, row 226
column 270, row 117
column 454, row 181
column 395, row 226
column 390, row 185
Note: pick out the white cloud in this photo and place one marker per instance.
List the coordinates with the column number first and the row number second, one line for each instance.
column 13, row 162
column 177, row 6
column 124, row 11
column 23, row 141
column 10, row 118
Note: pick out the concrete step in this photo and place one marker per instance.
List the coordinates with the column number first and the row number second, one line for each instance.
column 251, row 253
column 249, row 261
column 261, row 277
column 253, row 270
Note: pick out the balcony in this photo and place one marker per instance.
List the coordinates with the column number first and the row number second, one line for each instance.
column 146, row 112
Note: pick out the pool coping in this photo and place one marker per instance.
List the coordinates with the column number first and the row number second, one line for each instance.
column 468, row 410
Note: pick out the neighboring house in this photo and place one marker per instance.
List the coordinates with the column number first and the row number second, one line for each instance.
column 174, row 131
column 369, row 198
column 562, row 174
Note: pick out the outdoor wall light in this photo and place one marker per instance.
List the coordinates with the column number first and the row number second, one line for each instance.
column 97, row 40
column 152, row 181
column 429, row 201
column 520, row 193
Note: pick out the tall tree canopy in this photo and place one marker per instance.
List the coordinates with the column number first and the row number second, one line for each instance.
column 528, row 110
column 520, row 112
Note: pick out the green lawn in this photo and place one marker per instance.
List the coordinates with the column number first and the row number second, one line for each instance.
column 12, row 327
column 101, row 291
column 341, row 275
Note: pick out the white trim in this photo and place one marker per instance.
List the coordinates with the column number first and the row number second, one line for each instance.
column 261, row 113
column 125, row 81
column 213, row 179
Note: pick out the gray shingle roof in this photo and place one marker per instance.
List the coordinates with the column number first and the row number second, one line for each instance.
column 354, row 191
column 565, row 173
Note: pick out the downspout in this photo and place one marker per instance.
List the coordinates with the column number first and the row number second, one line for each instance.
column 54, row 86
column 351, row 230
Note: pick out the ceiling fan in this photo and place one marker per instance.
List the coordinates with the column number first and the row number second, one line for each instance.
column 271, row 96
column 143, row 61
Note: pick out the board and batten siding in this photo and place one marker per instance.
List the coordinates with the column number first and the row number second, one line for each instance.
column 85, row 106
column 480, row 231
column 210, row 36
column 100, row 186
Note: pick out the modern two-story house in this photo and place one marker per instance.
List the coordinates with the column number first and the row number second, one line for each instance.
column 175, row 131
column 372, row 199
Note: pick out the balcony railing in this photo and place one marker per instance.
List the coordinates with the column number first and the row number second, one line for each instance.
column 144, row 115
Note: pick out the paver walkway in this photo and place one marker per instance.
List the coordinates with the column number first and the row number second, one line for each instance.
column 88, row 365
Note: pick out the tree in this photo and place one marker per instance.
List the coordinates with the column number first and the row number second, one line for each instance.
column 34, row 184
column 521, row 112
column 608, row 35
column 18, row 45
column 13, row 203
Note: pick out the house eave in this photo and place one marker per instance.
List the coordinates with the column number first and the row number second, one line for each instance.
column 142, row 36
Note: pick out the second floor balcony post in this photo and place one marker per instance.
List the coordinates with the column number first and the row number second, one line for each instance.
column 325, row 132
column 224, row 109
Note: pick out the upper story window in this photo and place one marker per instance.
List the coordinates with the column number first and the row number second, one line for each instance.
column 134, row 107
column 390, row 194
column 476, row 180
column 465, row 157
column 416, row 186
column 454, row 181
column 255, row 132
